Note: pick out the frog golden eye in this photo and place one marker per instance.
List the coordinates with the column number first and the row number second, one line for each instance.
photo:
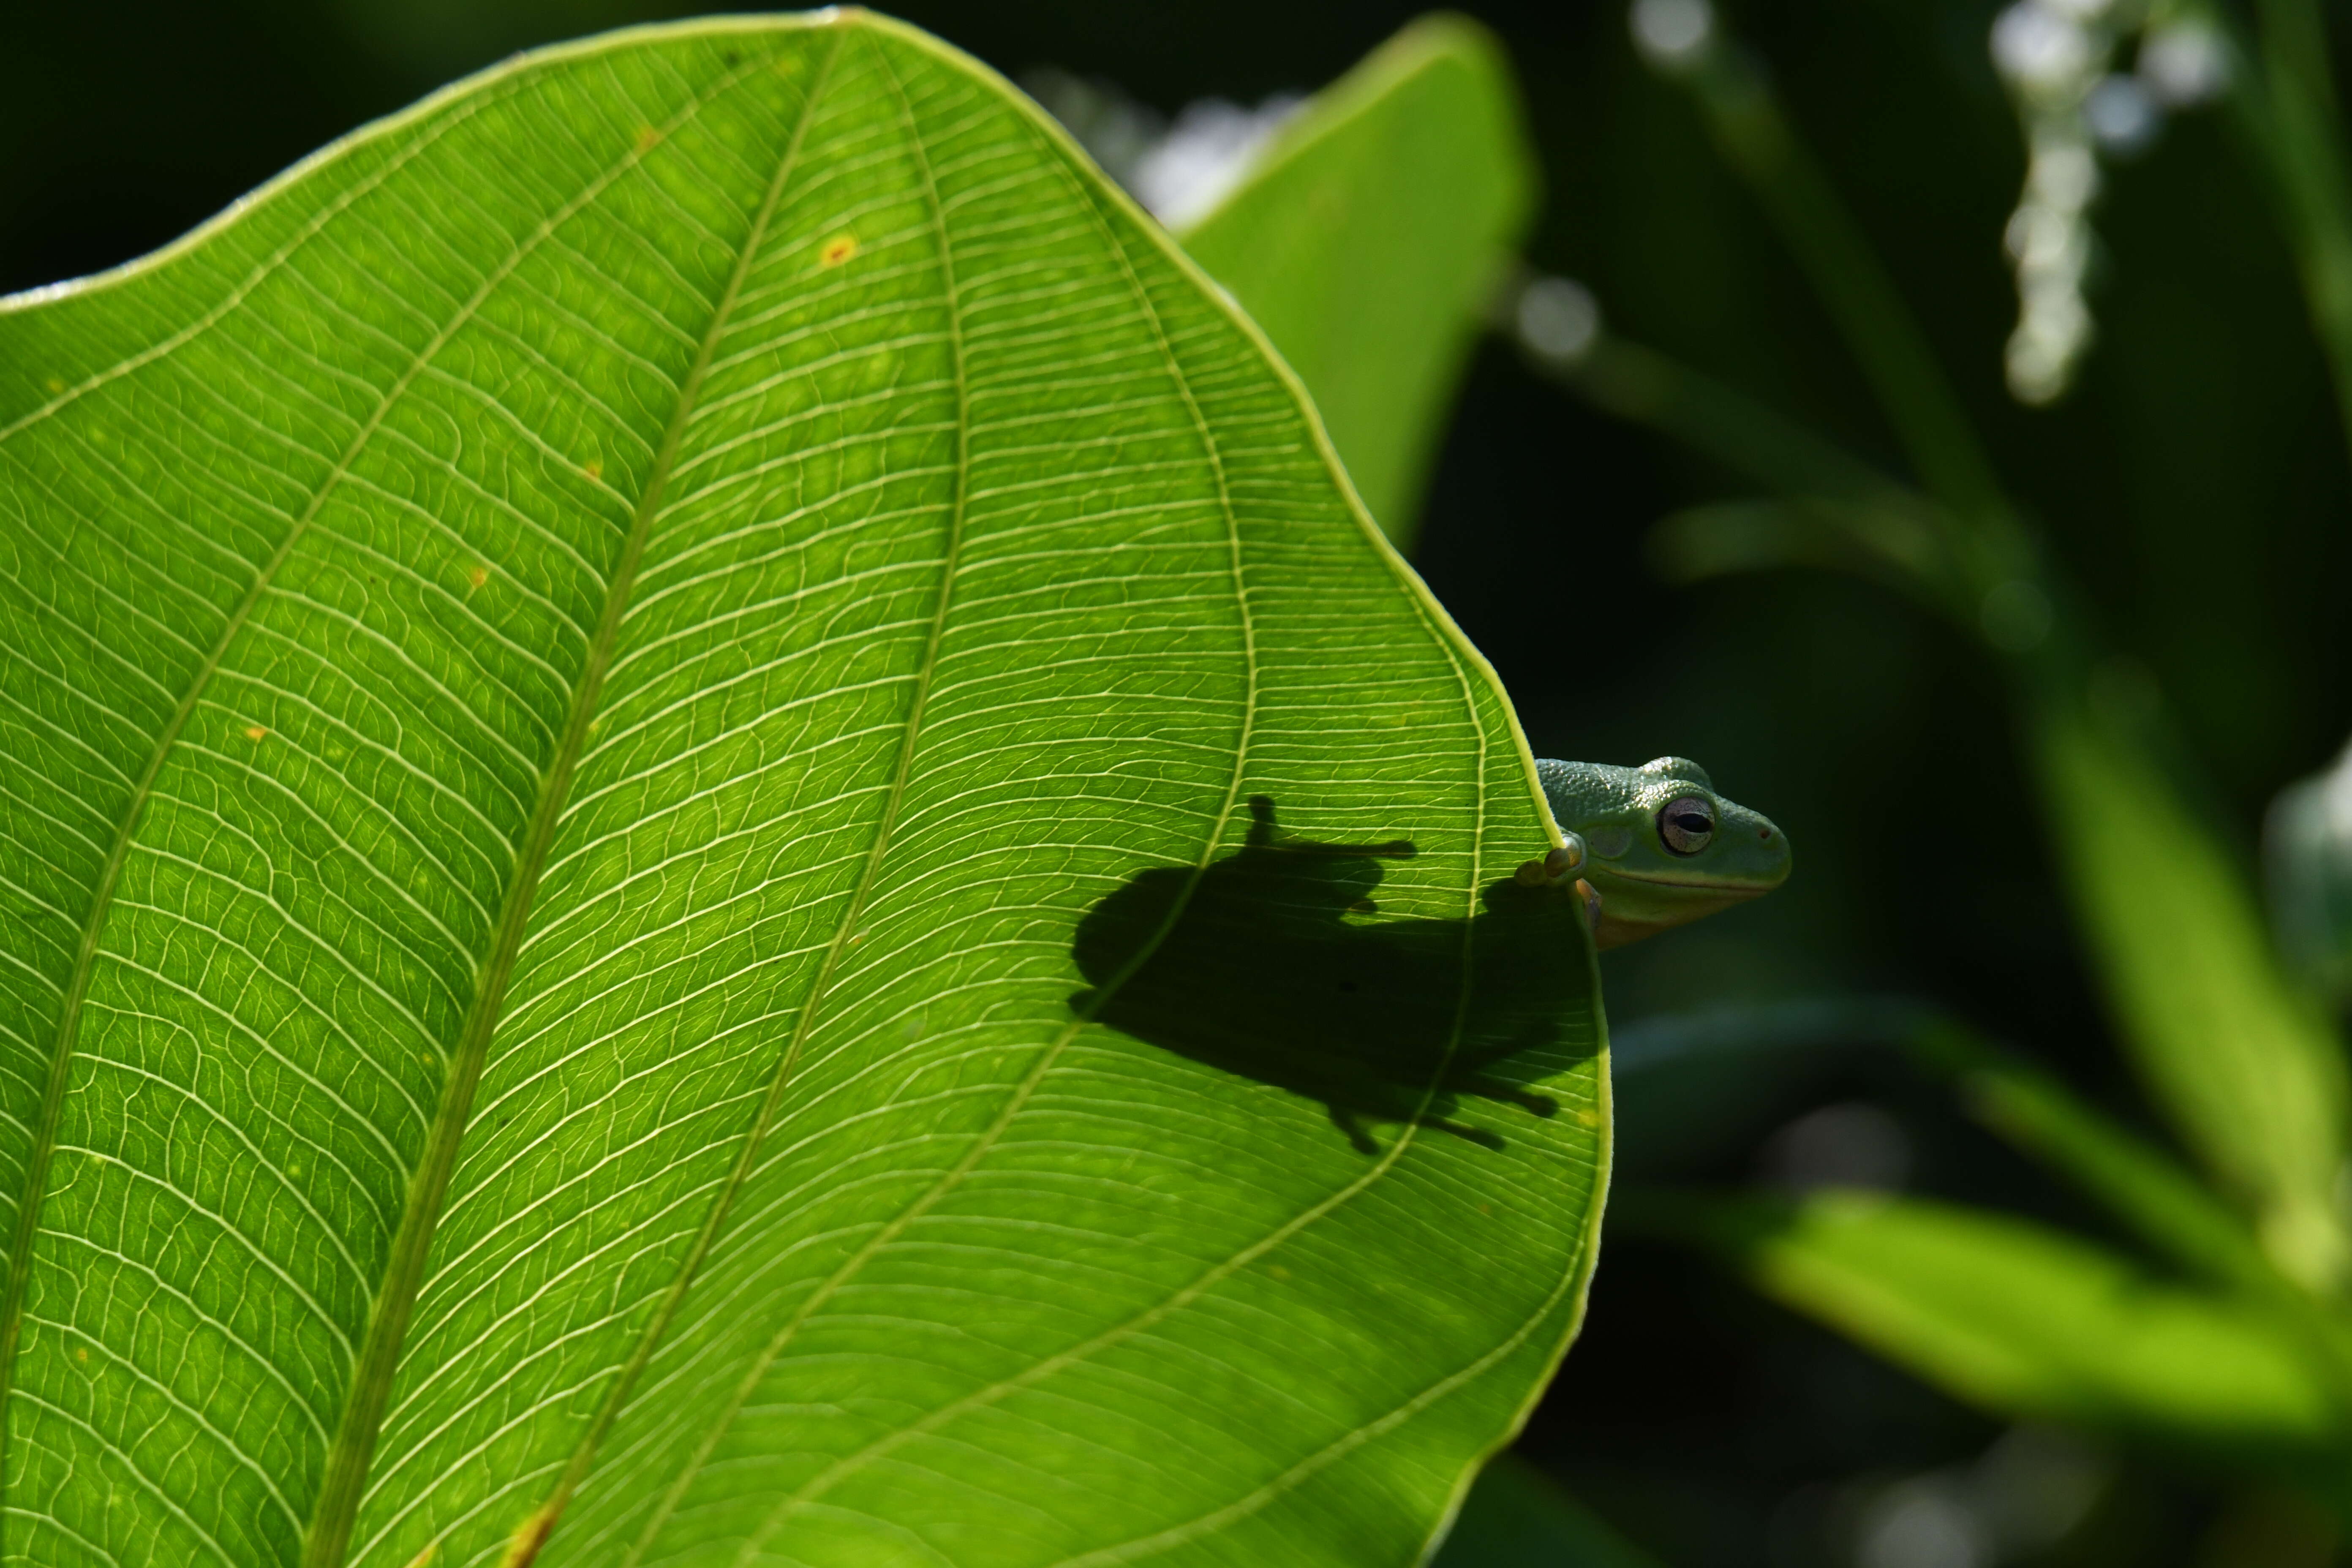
column 1687, row 824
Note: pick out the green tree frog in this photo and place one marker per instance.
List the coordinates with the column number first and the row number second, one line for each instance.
column 1654, row 846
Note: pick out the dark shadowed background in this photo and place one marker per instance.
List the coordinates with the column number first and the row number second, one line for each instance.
column 2194, row 483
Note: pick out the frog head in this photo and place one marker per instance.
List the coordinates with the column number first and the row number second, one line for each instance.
column 1663, row 847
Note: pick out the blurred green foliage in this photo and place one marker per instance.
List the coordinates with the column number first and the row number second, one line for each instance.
column 2248, row 1364
column 2243, row 1362
column 2023, row 1317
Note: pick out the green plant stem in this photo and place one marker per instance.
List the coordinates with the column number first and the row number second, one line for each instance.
column 2010, row 588
column 1835, row 491
column 2297, row 123
column 1756, row 138
column 1637, row 383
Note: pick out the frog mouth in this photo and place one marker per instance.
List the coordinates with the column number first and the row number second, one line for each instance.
column 1735, row 890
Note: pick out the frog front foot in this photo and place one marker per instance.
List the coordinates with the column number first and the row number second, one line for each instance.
column 1561, row 865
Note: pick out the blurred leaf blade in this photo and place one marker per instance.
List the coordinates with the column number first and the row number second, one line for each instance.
column 2140, row 1184
column 1369, row 237
column 2145, row 1186
column 2245, row 1068
column 609, row 666
column 2018, row 1318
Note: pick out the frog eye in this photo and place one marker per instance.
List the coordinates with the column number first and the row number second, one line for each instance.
column 1687, row 824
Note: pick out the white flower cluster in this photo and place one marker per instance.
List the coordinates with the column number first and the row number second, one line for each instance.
column 1672, row 34
column 1180, row 172
column 1181, row 177
column 2057, row 59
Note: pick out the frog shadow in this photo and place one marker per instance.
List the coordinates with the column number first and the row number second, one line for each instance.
column 1271, row 964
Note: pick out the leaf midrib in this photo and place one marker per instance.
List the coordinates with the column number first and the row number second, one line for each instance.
column 353, row 1452
column 1216, row 1274
column 1226, row 1269
column 542, row 1522
column 1022, row 1092
column 102, row 897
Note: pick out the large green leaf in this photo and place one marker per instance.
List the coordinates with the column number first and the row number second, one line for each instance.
column 570, row 674
column 2022, row 1319
column 1369, row 237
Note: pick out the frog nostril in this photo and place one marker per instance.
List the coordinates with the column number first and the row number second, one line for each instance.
column 1763, row 833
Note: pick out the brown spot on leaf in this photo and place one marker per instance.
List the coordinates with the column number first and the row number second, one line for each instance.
column 837, row 249
column 255, row 732
column 56, row 385
column 648, row 138
column 477, row 576
column 424, row 1558
column 594, row 469
column 529, row 1537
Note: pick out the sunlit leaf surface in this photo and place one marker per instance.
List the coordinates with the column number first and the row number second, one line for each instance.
column 570, row 674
